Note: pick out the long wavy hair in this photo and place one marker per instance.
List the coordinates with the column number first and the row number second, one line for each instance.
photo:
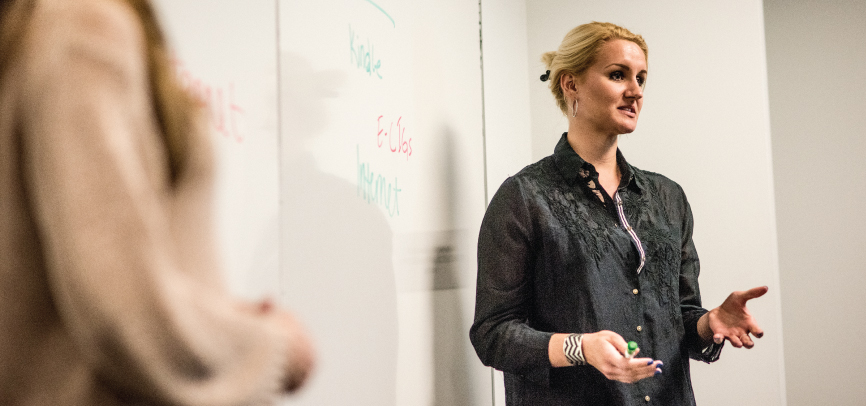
column 173, row 106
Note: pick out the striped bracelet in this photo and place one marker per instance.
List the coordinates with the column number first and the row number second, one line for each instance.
column 573, row 349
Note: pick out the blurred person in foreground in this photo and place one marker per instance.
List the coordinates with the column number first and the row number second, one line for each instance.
column 110, row 288
column 582, row 251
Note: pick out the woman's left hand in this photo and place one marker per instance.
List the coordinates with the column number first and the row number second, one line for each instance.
column 732, row 320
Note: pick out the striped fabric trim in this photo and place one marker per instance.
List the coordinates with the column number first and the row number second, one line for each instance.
column 573, row 349
column 630, row 231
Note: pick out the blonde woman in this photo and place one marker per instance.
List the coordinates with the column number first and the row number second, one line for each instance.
column 581, row 252
column 109, row 288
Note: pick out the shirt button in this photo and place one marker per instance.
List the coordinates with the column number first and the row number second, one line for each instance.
column 635, row 291
column 646, row 398
column 639, row 328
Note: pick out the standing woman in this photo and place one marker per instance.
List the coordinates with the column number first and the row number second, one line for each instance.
column 581, row 252
column 109, row 285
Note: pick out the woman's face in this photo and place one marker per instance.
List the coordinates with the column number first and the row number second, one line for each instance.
column 610, row 93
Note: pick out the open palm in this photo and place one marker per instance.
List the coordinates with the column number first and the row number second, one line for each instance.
column 732, row 320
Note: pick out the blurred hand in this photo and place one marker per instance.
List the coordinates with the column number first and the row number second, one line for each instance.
column 732, row 321
column 301, row 358
column 605, row 350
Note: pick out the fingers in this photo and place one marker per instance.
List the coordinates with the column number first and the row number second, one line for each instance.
column 600, row 349
column 754, row 293
column 756, row 330
column 303, row 361
column 617, row 341
column 631, row 370
column 735, row 341
column 301, row 354
column 259, row 308
column 642, row 368
column 266, row 305
column 606, row 350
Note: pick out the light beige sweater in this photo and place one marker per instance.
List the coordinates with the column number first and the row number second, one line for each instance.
column 109, row 289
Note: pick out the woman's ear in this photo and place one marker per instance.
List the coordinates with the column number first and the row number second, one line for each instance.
column 568, row 83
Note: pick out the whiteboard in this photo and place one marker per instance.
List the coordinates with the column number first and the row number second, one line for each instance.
column 350, row 180
column 382, row 194
column 224, row 52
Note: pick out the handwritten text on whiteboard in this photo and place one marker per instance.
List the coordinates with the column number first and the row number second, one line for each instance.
column 397, row 142
column 376, row 189
column 361, row 57
column 224, row 114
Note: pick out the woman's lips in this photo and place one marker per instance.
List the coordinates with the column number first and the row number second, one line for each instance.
column 628, row 110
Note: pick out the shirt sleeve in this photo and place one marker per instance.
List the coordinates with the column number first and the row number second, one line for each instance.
column 690, row 295
column 149, row 328
column 500, row 334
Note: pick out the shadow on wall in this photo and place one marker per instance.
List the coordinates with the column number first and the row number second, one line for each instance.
column 452, row 375
column 336, row 263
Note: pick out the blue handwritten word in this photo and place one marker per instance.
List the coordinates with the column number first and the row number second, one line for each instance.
column 376, row 189
column 384, row 12
column 362, row 57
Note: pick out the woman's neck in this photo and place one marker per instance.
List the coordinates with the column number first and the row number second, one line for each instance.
column 597, row 149
column 600, row 151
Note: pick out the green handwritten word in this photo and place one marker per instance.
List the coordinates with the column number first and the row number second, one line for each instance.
column 363, row 58
column 376, row 189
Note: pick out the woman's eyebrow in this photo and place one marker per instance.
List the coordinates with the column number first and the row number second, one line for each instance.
column 625, row 67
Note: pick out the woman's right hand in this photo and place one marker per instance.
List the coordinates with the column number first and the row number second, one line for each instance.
column 301, row 357
column 605, row 351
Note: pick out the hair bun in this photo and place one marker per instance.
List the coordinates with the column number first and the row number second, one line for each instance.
column 545, row 76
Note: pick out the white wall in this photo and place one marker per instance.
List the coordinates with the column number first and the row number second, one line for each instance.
column 705, row 124
column 817, row 75
column 506, row 92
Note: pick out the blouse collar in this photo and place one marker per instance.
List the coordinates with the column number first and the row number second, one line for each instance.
column 573, row 167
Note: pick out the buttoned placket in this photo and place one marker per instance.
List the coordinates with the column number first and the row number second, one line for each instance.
column 631, row 232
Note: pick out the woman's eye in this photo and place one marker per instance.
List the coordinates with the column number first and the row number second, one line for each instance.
column 640, row 81
column 617, row 75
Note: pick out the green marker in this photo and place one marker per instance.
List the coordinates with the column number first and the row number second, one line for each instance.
column 632, row 348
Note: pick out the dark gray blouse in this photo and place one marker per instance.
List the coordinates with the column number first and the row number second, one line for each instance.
column 556, row 254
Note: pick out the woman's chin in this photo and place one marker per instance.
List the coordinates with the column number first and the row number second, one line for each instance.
column 627, row 129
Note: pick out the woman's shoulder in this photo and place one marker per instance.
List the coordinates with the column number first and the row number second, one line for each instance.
column 654, row 178
column 541, row 170
column 103, row 38
column 658, row 185
column 529, row 180
column 89, row 25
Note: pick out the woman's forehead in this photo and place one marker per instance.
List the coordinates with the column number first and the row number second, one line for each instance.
column 623, row 52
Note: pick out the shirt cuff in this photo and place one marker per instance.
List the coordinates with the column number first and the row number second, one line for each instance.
column 711, row 353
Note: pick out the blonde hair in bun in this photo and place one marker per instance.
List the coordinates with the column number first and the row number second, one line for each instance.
column 578, row 50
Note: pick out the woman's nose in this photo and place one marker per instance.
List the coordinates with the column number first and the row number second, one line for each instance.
column 635, row 90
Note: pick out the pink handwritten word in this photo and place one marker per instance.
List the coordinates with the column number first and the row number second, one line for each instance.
column 224, row 114
column 397, row 142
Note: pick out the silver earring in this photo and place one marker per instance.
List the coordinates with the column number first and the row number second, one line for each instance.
column 574, row 109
